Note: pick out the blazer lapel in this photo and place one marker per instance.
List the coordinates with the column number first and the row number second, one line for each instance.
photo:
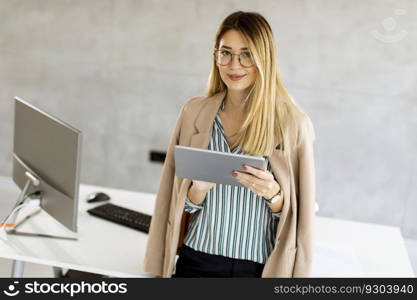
column 204, row 121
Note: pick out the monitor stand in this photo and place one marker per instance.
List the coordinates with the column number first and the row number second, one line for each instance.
column 11, row 226
column 18, row 266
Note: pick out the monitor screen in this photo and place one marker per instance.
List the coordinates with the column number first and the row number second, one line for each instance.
column 49, row 149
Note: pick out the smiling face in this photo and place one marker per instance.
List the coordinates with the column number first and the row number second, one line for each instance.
column 234, row 75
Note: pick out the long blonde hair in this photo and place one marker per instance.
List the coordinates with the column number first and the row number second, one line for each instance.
column 272, row 116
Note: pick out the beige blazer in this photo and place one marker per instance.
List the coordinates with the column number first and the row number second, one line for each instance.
column 293, row 251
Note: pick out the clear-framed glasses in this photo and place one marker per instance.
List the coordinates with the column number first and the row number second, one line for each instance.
column 224, row 57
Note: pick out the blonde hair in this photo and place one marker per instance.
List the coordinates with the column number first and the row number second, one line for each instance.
column 272, row 116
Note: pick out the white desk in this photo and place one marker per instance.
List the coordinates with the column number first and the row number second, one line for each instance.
column 343, row 248
column 355, row 249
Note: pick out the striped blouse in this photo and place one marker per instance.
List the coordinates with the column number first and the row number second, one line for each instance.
column 232, row 221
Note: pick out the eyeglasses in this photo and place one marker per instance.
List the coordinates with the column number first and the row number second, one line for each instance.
column 224, row 57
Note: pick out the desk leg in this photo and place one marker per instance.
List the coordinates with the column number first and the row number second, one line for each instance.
column 17, row 269
column 58, row 272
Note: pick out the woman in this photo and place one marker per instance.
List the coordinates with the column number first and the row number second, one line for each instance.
column 264, row 229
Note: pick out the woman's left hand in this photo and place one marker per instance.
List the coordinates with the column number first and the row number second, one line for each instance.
column 259, row 181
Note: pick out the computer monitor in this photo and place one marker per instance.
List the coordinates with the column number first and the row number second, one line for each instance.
column 49, row 150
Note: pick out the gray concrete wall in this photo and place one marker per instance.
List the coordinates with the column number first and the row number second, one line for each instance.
column 120, row 70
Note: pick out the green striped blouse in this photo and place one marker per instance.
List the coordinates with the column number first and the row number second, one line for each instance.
column 232, row 221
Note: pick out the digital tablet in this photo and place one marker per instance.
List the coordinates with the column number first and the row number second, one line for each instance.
column 213, row 166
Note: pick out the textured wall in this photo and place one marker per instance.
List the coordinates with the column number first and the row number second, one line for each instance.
column 120, row 70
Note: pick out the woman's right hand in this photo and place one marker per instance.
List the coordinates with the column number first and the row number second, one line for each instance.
column 198, row 190
column 202, row 186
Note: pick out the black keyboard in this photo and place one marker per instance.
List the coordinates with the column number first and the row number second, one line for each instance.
column 123, row 216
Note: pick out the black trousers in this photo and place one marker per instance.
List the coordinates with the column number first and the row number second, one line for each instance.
column 192, row 263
